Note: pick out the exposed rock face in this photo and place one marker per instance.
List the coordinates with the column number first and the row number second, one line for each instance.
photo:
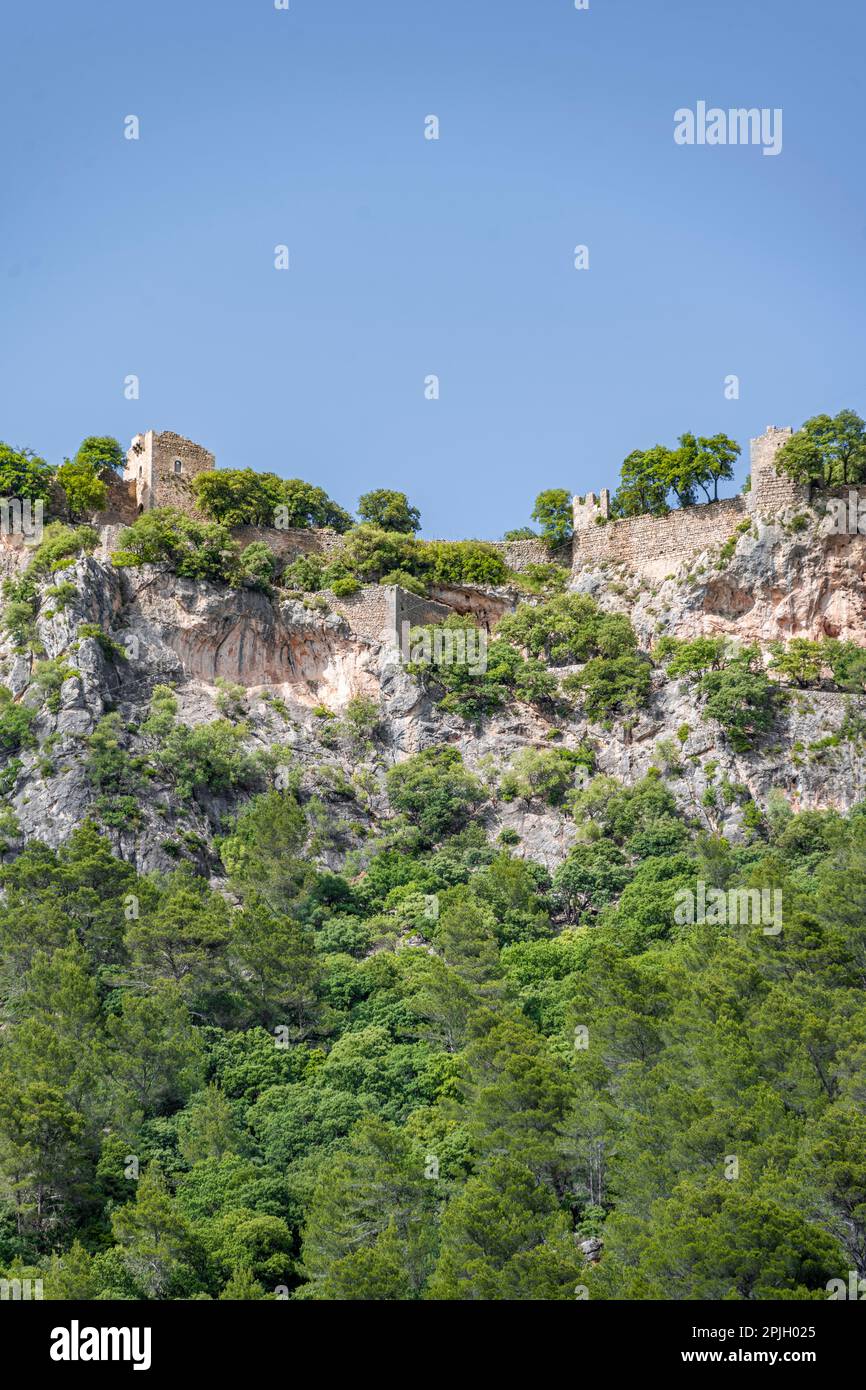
column 290, row 660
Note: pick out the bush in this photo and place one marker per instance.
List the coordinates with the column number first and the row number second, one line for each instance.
column 389, row 510
column 195, row 550
column 568, row 629
column 546, row 774
column 15, row 722
column 208, row 757
column 244, row 497
column 742, row 700
column 691, row 658
column 462, row 687
column 434, row 791
column 612, row 686
column 464, row 562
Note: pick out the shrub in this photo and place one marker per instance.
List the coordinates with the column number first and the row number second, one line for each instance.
column 389, row 510
column 741, row 699
column 15, row 722
column 801, row 661
column 195, row 550
column 612, row 685
column 245, row 497
column 568, row 629
column 547, row 774
column 305, row 573
column 208, row 757
column 691, row 658
column 434, row 791
column 464, row 562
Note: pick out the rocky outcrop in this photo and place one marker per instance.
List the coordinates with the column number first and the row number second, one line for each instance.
column 286, row 665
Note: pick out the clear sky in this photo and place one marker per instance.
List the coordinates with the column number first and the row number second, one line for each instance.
column 410, row 257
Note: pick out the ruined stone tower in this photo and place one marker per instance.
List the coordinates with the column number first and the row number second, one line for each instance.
column 586, row 509
column 771, row 492
column 162, row 467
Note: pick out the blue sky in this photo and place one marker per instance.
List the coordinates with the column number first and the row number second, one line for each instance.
column 412, row 257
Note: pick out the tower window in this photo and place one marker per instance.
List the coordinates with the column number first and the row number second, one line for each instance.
column 178, row 466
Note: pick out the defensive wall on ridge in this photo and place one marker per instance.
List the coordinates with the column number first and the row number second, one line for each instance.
column 654, row 545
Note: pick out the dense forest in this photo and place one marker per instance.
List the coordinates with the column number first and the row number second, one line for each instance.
column 355, row 1040
column 262, row 1097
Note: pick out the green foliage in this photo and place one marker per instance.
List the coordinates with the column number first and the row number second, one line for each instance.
column 60, row 545
column 15, row 724
column 467, row 681
column 742, row 700
column 195, row 550
column 697, row 464
column 691, row 658
column 101, row 451
column 568, row 629
column 801, row 661
column 389, row 510
column 612, row 686
column 827, row 451
column 244, row 497
column 553, row 512
column 24, row 474
column 85, row 490
column 434, row 791
column 545, row 774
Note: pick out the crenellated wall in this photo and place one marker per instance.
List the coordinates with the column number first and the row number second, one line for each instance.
column 654, row 546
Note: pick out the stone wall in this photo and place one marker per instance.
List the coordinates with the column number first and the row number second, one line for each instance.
column 122, row 503
column 379, row 611
column 293, row 542
column 654, row 546
column 770, row 493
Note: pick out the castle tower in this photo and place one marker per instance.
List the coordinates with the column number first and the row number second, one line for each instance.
column 770, row 491
column 586, row 509
column 162, row 467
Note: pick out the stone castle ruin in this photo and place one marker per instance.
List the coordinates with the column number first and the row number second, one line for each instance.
column 654, row 545
column 160, row 468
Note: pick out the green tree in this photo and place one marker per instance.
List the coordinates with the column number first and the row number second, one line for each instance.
column 434, row 791
column 389, row 510
column 826, row 451
column 504, row 1238
column 85, row 490
column 101, row 451
column 24, row 474
column 554, row 514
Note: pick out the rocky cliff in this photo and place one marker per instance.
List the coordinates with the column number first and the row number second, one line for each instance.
column 281, row 672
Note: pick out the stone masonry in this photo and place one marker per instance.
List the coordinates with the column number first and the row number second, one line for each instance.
column 653, row 546
column 162, row 467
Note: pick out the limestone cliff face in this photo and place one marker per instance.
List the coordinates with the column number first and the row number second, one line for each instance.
column 291, row 660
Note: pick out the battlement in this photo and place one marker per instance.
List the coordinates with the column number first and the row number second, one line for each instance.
column 654, row 545
column 587, row 510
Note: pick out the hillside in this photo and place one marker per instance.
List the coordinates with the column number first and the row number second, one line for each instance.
column 328, row 974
